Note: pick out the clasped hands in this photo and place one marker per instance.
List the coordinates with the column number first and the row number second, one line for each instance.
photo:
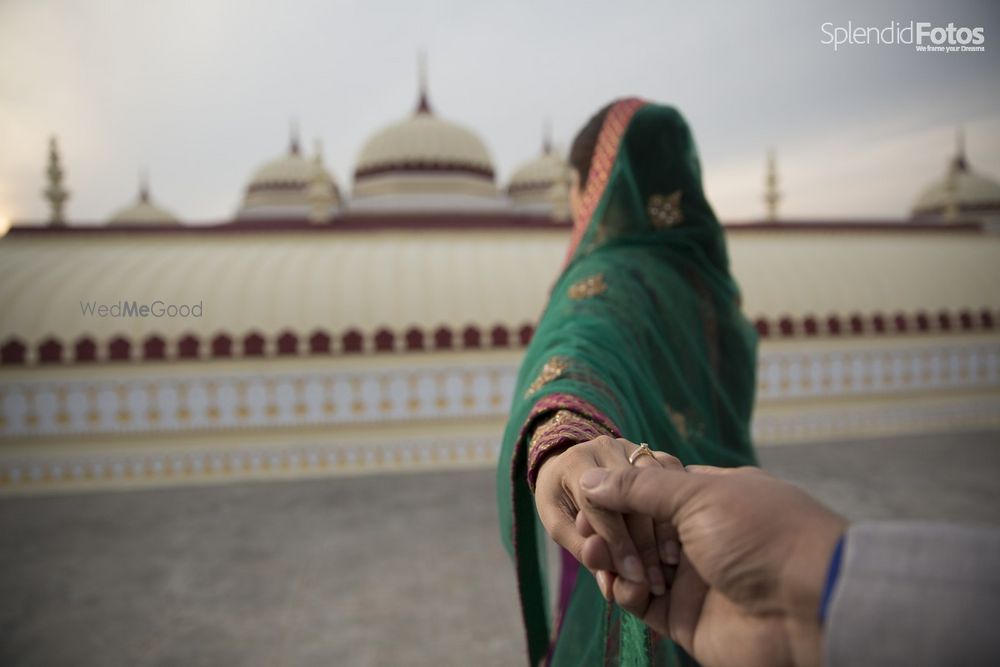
column 728, row 563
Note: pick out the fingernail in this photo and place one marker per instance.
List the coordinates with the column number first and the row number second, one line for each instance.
column 656, row 581
column 670, row 552
column 593, row 477
column 632, row 570
column 602, row 583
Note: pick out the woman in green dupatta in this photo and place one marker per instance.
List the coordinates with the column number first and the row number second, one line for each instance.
column 642, row 340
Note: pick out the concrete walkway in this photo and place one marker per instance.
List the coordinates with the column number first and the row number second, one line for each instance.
column 392, row 570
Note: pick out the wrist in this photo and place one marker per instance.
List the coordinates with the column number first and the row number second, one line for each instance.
column 806, row 571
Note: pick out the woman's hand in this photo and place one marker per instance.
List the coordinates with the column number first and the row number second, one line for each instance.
column 637, row 549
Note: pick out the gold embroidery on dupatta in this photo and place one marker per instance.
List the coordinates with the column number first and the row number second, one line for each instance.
column 679, row 421
column 553, row 368
column 665, row 210
column 588, row 287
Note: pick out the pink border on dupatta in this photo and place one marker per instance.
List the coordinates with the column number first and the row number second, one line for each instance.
column 605, row 154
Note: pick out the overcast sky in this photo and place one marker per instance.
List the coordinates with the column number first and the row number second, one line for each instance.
column 201, row 92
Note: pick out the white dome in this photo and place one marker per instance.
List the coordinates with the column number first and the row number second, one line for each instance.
column 286, row 187
column 292, row 168
column 424, row 163
column 143, row 212
column 541, row 185
column 961, row 194
column 424, row 140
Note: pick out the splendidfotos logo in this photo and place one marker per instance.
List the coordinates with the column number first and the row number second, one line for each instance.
column 923, row 36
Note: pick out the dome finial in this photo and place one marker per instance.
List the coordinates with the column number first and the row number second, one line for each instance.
column 55, row 194
column 423, row 102
column 293, row 137
column 771, row 194
column 959, row 163
column 547, row 137
column 144, row 186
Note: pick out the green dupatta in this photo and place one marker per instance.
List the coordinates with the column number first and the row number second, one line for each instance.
column 644, row 323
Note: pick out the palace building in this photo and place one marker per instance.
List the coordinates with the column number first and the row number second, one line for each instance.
column 379, row 327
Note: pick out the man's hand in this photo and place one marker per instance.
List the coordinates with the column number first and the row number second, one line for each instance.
column 755, row 551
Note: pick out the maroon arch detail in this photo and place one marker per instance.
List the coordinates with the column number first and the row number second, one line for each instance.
column 944, row 320
column 154, row 348
column 878, row 323
column 966, row 320
column 119, row 349
column 385, row 341
column 287, row 344
column 986, row 319
column 900, row 323
column 833, row 326
column 857, row 324
column 50, row 351
column 13, row 352
column 786, row 327
column 85, row 350
column 253, row 344
column 188, row 346
column 499, row 336
column 222, row 345
column 319, row 343
column 443, row 338
column 414, row 339
column 762, row 327
column 810, row 326
column 352, row 341
column 524, row 334
column 472, row 338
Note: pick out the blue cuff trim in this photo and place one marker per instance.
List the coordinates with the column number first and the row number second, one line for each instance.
column 832, row 575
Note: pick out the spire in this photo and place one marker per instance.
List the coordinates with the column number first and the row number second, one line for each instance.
column 547, row 137
column 321, row 192
column 144, row 186
column 959, row 163
column 423, row 101
column 771, row 194
column 293, row 137
column 55, row 194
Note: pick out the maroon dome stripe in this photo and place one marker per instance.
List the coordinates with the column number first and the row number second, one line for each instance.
column 417, row 166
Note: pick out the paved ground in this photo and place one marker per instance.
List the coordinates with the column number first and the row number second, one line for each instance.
column 393, row 570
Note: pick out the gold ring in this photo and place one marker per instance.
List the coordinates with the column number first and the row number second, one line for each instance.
column 643, row 449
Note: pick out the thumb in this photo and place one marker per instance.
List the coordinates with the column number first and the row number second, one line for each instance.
column 656, row 492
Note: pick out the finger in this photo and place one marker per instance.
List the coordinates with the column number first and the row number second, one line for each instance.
column 668, row 461
column 643, row 532
column 557, row 518
column 640, row 527
column 686, row 599
column 605, row 583
column 630, row 596
column 658, row 493
column 611, row 526
column 596, row 555
column 583, row 526
column 715, row 470
column 668, row 545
